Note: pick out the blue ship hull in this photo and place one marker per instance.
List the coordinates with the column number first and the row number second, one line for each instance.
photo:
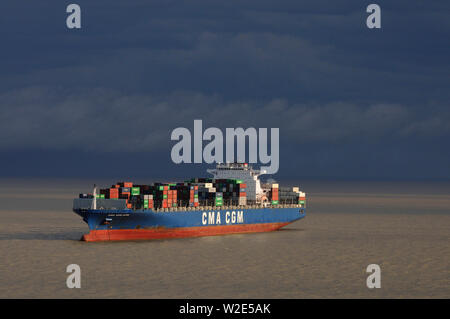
column 127, row 224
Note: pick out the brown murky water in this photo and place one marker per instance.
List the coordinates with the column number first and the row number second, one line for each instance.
column 403, row 227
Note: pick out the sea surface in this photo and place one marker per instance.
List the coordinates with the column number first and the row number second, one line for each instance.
column 404, row 227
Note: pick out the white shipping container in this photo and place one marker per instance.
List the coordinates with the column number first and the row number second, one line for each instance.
column 295, row 189
column 275, row 186
column 208, row 185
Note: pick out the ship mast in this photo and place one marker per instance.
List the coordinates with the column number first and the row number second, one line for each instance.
column 94, row 193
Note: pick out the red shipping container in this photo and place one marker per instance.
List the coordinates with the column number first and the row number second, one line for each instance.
column 127, row 184
column 242, row 185
column 241, row 194
column 113, row 193
column 196, row 204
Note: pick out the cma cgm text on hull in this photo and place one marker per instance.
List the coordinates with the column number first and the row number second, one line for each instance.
column 232, row 201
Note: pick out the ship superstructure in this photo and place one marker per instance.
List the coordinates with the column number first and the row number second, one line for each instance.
column 241, row 171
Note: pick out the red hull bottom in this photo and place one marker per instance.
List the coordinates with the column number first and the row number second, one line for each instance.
column 160, row 233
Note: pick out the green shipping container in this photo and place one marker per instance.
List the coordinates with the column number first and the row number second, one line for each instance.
column 164, row 196
column 301, row 202
column 145, row 205
column 274, row 202
column 135, row 191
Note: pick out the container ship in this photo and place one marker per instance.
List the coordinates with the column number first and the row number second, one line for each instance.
column 233, row 201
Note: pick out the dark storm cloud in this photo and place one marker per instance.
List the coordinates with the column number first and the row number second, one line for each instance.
column 138, row 69
column 107, row 120
column 294, row 50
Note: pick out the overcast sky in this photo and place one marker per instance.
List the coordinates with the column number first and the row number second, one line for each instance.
column 350, row 102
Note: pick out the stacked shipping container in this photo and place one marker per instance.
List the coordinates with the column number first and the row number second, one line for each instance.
column 194, row 193
column 286, row 195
